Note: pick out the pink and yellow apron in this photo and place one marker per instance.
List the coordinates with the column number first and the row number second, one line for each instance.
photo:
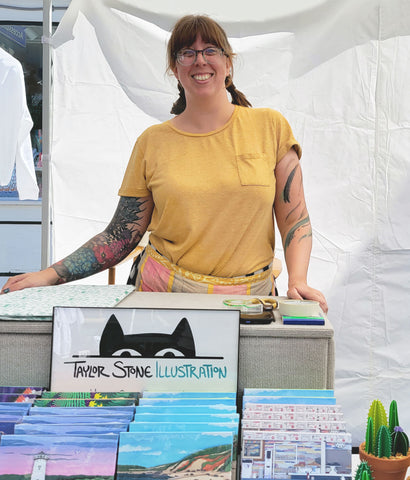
column 155, row 273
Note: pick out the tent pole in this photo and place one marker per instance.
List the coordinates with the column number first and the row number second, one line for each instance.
column 46, row 134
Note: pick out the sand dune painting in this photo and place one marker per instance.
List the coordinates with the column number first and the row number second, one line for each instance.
column 159, row 456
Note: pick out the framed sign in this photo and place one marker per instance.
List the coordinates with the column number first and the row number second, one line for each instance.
column 136, row 349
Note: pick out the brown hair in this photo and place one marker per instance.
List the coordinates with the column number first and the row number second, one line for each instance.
column 183, row 35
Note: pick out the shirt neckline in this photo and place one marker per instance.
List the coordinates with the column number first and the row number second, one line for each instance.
column 206, row 134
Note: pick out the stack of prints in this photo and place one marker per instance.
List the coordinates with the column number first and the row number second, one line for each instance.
column 61, row 434
column 15, row 402
column 294, row 435
column 180, row 435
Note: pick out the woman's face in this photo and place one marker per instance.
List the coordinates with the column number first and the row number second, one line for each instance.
column 203, row 79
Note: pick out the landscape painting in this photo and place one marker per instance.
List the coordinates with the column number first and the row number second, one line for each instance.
column 177, row 456
column 63, row 457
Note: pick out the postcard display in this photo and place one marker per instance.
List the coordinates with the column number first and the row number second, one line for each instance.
column 294, row 434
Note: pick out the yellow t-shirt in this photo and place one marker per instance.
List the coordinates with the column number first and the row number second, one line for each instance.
column 213, row 193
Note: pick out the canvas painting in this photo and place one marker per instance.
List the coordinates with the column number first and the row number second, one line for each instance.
column 74, row 419
column 17, row 408
column 64, row 429
column 126, row 411
column 92, row 395
column 83, row 402
column 8, row 422
column 71, row 457
column 141, row 349
column 185, row 401
column 21, row 390
column 17, row 397
column 138, row 426
column 172, row 408
column 175, row 456
column 221, row 395
column 185, row 417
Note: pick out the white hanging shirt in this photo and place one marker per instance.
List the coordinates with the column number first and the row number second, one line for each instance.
column 15, row 126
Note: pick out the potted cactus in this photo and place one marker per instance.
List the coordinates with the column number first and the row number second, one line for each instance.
column 363, row 471
column 386, row 448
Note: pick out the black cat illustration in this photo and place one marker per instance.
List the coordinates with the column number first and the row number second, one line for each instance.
column 180, row 343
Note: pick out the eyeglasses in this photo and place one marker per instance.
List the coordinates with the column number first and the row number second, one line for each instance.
column 188, row 56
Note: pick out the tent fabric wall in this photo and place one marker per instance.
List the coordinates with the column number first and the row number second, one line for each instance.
column 339, row 71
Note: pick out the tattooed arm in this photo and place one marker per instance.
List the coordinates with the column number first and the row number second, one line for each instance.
column 294, row 225
column 121, row 236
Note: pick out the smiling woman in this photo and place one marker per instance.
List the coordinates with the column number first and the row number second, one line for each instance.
column 208, row 33
column 202, row 81
column 208, row 185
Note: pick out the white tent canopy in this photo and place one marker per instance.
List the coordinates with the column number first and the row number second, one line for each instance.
column 339, row 71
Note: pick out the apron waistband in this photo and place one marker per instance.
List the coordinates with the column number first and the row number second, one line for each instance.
column 256, row 276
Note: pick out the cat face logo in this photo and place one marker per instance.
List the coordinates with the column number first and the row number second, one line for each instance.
column 180, row 343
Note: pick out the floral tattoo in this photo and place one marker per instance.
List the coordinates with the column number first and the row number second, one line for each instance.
column 109, row 247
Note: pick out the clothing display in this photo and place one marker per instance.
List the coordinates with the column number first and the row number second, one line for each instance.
column 15, row 126
column 214, row 192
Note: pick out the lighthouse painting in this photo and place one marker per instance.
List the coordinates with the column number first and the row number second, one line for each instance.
column 39, row 467
column 39, row 457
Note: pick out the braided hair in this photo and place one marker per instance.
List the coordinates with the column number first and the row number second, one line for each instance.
column 184, row 33
column 180, row 104
column 238, row 98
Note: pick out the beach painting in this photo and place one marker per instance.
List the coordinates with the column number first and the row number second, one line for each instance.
column 41, row 457
column 175, row 456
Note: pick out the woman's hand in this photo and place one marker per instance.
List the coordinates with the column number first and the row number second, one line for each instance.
column 302, row 291
column 33, row 279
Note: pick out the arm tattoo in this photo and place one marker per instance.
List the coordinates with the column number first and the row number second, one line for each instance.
column 293, row 210
column 286, row 190
column 106, row 249
column 305, row 222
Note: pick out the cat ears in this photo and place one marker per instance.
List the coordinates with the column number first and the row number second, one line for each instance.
column 182, row 329
column 114, row 327
column 112, row 334
column 183, row 336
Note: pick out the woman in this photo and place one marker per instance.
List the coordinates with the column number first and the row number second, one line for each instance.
column 207, row 184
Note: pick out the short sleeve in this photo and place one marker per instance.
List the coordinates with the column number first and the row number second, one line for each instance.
column 134, row 181
column 285, row 138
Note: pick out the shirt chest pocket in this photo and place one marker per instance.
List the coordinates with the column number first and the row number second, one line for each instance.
column 253, row 169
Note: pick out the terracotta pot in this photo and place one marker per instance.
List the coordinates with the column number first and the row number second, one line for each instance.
column 394, row 468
